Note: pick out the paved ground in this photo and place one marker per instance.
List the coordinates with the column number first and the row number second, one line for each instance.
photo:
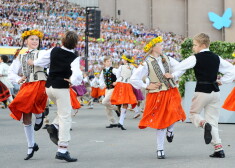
column 98, row 147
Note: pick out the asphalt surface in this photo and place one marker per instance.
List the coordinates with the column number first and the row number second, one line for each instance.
column 98, row 147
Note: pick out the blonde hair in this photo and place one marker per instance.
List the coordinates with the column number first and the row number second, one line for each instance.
column 107, row 58
column 202, row 38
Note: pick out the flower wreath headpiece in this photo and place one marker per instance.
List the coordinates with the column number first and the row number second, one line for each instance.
column 152, row 43
column 127, row 59
column 32, row 32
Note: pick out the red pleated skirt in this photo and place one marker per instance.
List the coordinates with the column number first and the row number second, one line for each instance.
column 95, row 92
column 31, row 98
column 73, row 98
column 162, row 109
column 123, row 94
column 101, row 92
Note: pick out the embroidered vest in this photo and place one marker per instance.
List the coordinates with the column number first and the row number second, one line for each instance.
column 33, row 73
column 126, row 72
column 156, row 76
column 109, row 78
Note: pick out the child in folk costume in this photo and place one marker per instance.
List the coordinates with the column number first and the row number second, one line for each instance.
column 32, row 96
column 4, row 76
column 108, row 79
column 229, row 103
column 95, row 90
column 206, row 66
column 163, row 102
column 64, row 69
column 123, row 92
column 4, row 94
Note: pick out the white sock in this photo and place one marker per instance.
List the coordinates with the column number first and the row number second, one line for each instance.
column 122, row 116
column 160, row 139
column 29, row 132
column 63, row 147
column 38, row 119
column 170, row 130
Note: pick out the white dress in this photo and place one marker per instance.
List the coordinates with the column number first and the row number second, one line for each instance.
column 4, row 75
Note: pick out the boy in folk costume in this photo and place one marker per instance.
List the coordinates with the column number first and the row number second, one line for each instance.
column 108, row 79
column 64, row 69
column 123, row 92
column 206, row 66
column 163, row 102
column 94, row 89
column 32, row 96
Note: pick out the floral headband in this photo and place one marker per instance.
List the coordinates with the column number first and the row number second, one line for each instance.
column 152, row 43
column 32, row 32
column 127, row 59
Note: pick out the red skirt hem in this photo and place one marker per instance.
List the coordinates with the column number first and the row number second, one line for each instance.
column 162, row 109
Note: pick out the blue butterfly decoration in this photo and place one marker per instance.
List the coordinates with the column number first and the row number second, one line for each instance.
column 220, row 22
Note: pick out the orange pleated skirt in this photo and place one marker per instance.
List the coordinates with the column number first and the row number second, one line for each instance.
column 162, row 109
column 31, row 98
column 101, row 92
column 73, row 98
column 95, row 92
column 229, row 103
column 123, row 94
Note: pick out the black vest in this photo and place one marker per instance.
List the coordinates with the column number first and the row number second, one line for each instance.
column 109, row 78
column 206, row 71
column 60, row 68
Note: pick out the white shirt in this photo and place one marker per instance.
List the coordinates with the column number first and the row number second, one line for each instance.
column 137, row 78
column 225, row 67
column 95, row 82
column 44, row 60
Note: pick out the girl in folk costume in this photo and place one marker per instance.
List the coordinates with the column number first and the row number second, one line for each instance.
column 32, row 96
column 123, row 92
column 4, row 76
column 163, row 102
column 4, row 94
column 229, row 103
column 95, row 90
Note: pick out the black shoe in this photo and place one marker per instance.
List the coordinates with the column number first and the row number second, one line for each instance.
column 121, row 126
column 38, row 126
column 45, row 126
column 112, row 125
column 219, row 154
column 169, row 138
column 207, row 133
column 53, row 133
column 65, row 156
column 35, row 148
column 161, row 156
